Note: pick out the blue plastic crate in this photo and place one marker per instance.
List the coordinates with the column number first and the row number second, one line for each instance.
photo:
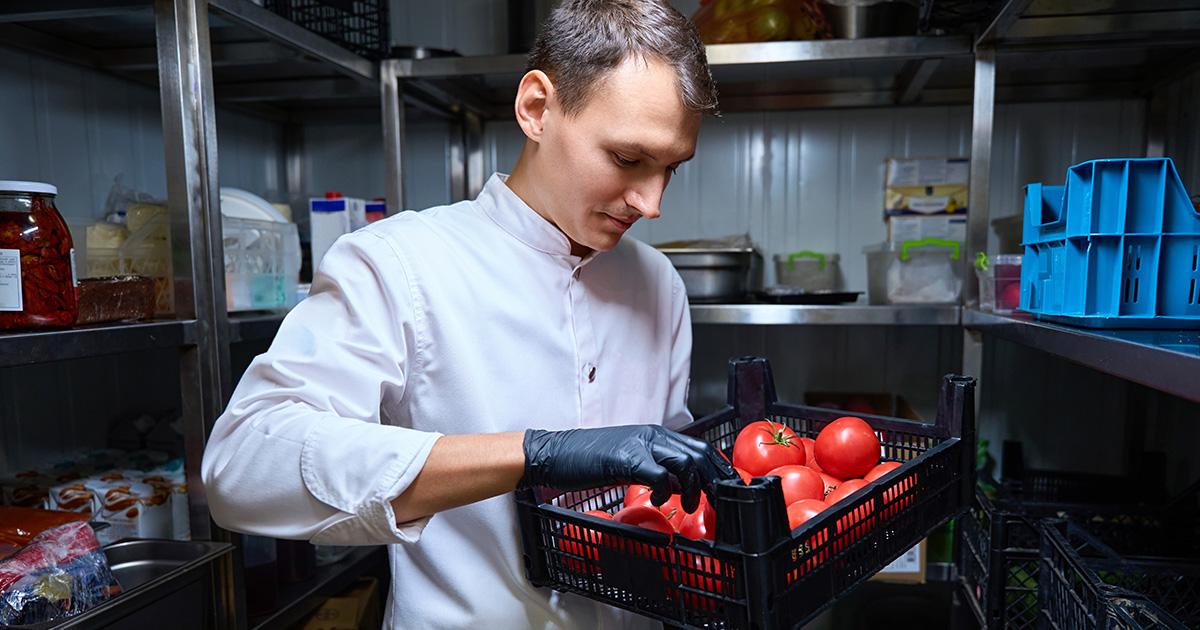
column 1118, row 246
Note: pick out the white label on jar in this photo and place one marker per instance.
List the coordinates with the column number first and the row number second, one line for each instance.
column 10, row 280
column 74, row 276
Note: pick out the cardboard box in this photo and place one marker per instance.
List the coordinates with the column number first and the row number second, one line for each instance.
column 892, row 405
column 907, row 569
column 357, row 608
column 926, row 186
column 947, row 227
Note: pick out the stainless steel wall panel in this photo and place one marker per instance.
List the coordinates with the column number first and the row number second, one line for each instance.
column 349, row 158
column 79, row 129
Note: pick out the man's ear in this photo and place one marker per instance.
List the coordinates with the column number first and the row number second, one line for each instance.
column 534, row 96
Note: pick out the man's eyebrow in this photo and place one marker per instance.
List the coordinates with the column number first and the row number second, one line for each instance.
column 638, row 148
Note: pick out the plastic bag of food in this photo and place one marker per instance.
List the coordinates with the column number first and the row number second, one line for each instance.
column 740, row 21
column 19, row 525
column 60, row 573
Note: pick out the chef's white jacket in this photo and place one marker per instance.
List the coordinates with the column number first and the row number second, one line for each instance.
column 467, row 318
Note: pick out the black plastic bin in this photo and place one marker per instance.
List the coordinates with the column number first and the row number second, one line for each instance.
column 998, row 541
column 1086, row 585
column 360, row 26
column 759, row 574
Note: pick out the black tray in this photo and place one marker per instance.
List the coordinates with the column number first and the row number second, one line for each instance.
column 758, row 574
column 807, row 297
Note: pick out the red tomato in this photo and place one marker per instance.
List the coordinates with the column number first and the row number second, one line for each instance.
column 700, row 524
column 802, row 510
column 812, row 463
column 810, row 450
column 764, row 445
column 831, row 482
column 847, row 448
column 582, row 542
column 634, row 492
column 880, row 471
column 845, row 489
column 672, row 509
column 799, row 483
column 643, row 516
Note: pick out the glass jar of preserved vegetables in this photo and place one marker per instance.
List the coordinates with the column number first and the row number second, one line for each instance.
column 37, row 267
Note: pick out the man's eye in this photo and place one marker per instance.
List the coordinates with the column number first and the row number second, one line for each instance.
column 623, row 162
column 672, row 169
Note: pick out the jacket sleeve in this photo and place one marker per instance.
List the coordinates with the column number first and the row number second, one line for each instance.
column 677, row 414
column 305, row 448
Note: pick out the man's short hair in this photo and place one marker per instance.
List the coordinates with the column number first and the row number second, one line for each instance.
column 583, row 40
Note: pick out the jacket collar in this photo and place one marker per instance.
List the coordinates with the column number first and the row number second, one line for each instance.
column 523, row 223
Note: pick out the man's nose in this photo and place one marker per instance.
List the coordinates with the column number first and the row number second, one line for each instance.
column 646, row 197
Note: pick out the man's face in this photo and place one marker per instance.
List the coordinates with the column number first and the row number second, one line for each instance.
column 607, row 166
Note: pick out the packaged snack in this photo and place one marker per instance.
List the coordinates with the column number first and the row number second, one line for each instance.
column 18, row 526
column 60, row 573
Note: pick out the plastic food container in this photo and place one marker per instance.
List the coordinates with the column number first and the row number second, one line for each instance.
column 810, row 271
column 37, row 259
column 999, row 282
column 262, row 264
column 914, row 272
column 142, row 248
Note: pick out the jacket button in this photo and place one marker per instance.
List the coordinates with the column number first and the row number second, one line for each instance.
column 591, row 372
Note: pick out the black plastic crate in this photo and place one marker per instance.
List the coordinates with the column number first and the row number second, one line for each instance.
column 998, row 543
column 759, row 574
column 360, row 26
column 1135, row 613
column 1085, row 585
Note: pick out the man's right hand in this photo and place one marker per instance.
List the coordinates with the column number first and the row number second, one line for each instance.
column 666, row 461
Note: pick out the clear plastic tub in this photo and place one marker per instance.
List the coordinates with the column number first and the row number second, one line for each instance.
column 810, row 271
column 262, row 264
column 1000, row 283
column 145, row 251
column 927, row 271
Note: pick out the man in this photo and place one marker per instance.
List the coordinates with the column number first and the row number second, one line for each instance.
column 396, row 403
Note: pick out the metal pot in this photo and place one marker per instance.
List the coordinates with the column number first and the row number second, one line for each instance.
column 714, row 275
column 856, row 19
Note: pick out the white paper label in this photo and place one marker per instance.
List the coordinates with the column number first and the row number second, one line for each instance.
column 931, row 172
column 10, row 280
column 910, row 562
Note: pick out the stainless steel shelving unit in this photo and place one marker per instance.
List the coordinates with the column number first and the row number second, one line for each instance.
column 840, row 315
column 1167, row 360
column 32, row 347
column 197, row 53
column 1061, row 50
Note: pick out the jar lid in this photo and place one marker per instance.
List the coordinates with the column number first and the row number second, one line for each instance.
column 31, row 187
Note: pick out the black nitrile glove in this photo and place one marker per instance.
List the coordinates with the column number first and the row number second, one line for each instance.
column 666, row 461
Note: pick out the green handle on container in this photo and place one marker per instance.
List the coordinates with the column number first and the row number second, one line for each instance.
column 929, row 241
column 981, row 261
column 820, row 259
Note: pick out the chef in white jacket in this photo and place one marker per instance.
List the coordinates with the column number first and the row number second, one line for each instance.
column 447, row 357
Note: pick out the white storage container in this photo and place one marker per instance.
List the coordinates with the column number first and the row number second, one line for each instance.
column 914, row 272
column 810, row 271
column 262, row 264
